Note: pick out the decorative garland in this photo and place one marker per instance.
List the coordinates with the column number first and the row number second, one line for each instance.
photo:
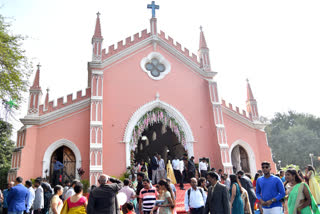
column 157, row 115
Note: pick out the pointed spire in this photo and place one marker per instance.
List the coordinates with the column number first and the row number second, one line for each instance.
column 202, row 43
column 97, row 30
column 46, row 101
column 252, row 106
column 249, row 91
column 36, row 81
column 203, row 53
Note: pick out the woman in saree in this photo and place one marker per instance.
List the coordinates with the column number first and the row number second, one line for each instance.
column 300, row 199
column 56, row 203
column 170, row 173
column 77, row 203
column 313, row 184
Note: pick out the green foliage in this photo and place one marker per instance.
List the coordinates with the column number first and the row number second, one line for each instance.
column 6, row 148
column 292, row 137
column 86, row 185
column 124, row 176
column 14, row 66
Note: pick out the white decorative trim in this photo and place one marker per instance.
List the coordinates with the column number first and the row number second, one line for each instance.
column 242, row 119
column 95, row 123
column 173, row 112
column 148, row 41
column 250, row 152
column 97, row 72
column 38, row 120
column 53, row 147
column 161, row 60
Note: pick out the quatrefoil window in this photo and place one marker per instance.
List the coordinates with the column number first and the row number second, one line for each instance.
column 155, row 67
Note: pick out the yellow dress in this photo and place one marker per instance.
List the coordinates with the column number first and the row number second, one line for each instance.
column 314, row 187
column 170, row 173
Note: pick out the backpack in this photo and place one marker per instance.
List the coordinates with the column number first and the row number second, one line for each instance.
column 189, row 192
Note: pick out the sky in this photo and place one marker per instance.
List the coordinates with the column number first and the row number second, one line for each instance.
column 275, row 43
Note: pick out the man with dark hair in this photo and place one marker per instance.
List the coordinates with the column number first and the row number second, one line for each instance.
column 57, row 171
column 191, row 168
column 38, row 203
column 148, row 196
column 218, row 197
column 17, row 197
column 30, row 198
column 140, row 177
column 5, row 197
column 203, row 168
column 71, row 191
column 282, row 176
column 247, row 185
column 154, row 166
column 127, row 190
column 270, row 191
column 103, row 198
column 67, row 185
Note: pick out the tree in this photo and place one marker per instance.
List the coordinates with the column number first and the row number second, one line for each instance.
column 14, row 66
column 6, row 148
column 293, row 136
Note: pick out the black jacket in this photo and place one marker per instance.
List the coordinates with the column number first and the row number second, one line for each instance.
column 218, row 200
column 103, row 198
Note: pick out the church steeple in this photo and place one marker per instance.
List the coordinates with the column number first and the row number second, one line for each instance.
column 252, row 106
column 46, row 101
column 35, row 94
column 97, row 41
column 203, row 52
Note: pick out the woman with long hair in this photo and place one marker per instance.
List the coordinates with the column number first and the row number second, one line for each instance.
column 236, row 203
column 56, row 203
column 300, row 200
column 77, row 203
column 254, row 184
column 166, row 194
column 313, row 184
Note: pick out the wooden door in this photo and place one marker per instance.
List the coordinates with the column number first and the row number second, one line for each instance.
column 69, row 162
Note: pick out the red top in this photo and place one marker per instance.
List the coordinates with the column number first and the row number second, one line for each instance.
column 80, row 202
column 254, row 183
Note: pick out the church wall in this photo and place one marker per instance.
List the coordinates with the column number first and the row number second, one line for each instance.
column 74, row 128
column 237, row 130
column 127, row 87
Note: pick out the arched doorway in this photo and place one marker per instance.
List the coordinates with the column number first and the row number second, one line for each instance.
column 66, row 156
column 240, row 159
column 160, row 139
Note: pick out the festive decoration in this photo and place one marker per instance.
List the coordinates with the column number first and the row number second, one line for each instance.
column 157, row 115
column 7, row 108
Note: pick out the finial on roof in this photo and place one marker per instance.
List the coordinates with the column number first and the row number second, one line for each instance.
column 36, row 81
column 249, row 91
column 157, row 96
column 203, row 43
column 153, row 7
column 97, row 30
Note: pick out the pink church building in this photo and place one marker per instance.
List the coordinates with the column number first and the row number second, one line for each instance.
column 146, row 95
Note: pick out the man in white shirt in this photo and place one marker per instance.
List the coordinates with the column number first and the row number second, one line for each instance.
column 175, row 167
column 71, row 191
column 161, row 171
column 38, row 203
column 31, row 197
column 195, row 198
column 203, row 168
column 127, row 190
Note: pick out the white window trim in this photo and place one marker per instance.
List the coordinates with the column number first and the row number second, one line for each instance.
column 161, row 59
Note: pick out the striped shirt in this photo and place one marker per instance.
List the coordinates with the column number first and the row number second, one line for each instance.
column 149, row 197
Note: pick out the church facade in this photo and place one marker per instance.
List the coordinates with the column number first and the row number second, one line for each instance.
column 147, row 95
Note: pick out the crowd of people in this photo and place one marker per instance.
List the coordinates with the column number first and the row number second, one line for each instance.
column 150, row 189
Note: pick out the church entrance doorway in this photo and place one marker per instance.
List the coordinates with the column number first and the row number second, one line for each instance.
column 66, row 156
column 158, row 139
column 240, row 159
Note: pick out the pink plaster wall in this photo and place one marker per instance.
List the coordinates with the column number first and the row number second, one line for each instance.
column 257, row 140
column 127, row 87
column 38, row 138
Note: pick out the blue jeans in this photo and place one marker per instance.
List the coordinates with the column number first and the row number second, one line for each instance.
column 17, row 212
